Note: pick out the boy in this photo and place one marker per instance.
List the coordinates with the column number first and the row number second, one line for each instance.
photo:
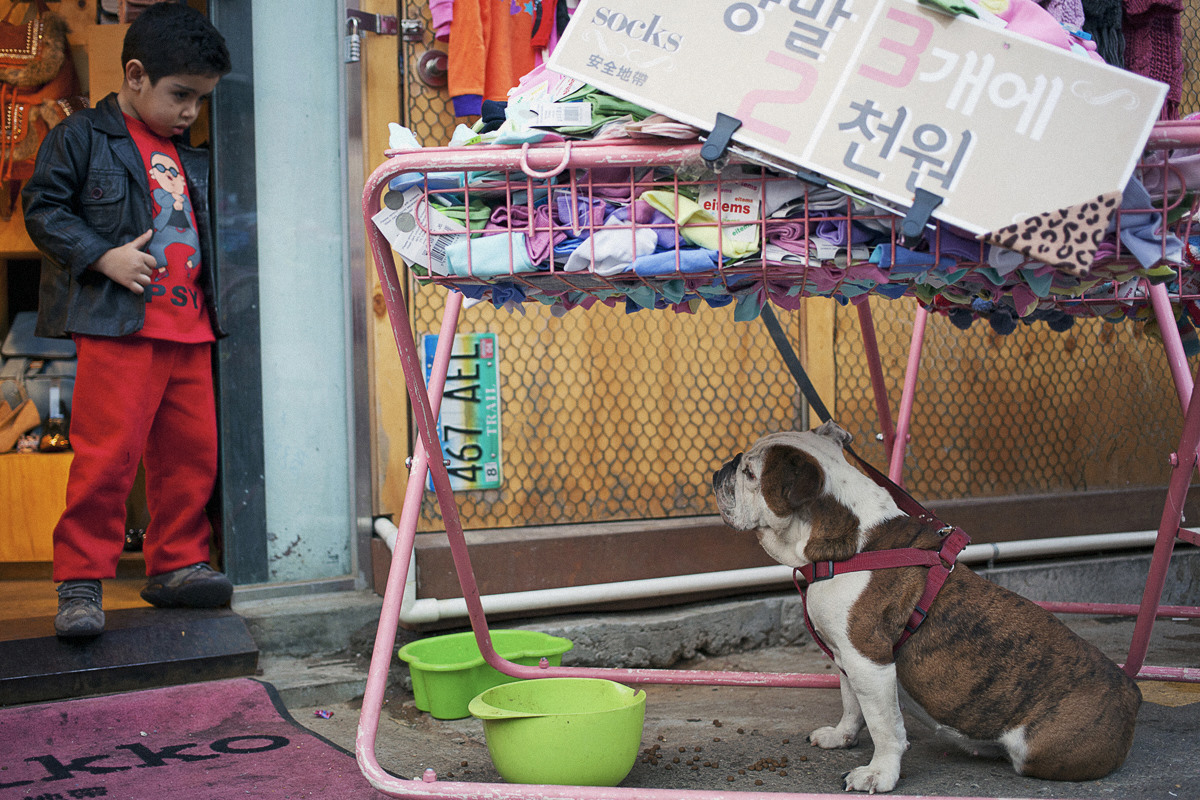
column 118, row 207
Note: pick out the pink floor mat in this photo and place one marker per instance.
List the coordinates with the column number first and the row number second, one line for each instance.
column 221, row 739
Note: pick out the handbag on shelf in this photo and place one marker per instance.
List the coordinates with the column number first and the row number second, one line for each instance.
column 16, row 420
column 40, row 365
column 38, row 89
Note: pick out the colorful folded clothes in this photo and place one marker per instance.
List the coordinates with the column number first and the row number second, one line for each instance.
column 681, row 237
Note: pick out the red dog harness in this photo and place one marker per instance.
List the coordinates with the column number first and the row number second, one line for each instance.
column 940, row 562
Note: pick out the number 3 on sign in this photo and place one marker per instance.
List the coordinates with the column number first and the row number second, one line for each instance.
column 751, row 100
column 910, row 53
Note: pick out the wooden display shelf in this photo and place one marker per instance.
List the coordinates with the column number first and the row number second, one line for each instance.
column 33, row 493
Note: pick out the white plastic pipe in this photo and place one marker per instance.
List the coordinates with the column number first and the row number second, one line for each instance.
column 416, row 611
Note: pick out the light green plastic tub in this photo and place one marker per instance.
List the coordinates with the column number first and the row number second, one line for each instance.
column 447, row 671
column 564, row 731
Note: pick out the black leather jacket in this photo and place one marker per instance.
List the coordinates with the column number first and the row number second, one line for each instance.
column 89, row 194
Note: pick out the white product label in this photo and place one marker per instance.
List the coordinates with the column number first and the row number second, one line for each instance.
column 418, row 232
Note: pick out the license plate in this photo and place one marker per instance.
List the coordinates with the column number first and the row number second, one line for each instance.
column 469, row 420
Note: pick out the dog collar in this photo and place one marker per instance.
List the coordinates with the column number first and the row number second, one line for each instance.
column 940, row 562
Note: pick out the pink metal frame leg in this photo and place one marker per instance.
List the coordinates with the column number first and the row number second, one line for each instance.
column 911, row 371
column 1184, row 464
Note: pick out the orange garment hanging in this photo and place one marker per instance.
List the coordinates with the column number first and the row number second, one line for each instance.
column 490, row 51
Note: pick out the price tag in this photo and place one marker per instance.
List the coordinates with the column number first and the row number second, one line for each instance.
column 736, row 207
column 562, row 115
column 418, row 232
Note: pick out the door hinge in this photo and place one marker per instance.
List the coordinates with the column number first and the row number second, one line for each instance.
column 412, row 30
column 374, row 23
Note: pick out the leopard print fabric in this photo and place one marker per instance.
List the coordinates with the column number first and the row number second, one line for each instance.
column 1067, row 238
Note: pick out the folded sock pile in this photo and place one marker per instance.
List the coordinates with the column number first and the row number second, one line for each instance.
column 647, row 238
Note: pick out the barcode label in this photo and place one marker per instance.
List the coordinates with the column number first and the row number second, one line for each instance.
column 438, row 242
column 562, row 115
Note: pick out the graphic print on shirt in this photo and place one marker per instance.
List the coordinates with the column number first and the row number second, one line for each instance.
column 175, row 240
column 176, row 309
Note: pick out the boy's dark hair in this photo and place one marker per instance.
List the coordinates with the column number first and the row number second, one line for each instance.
column 170, row 38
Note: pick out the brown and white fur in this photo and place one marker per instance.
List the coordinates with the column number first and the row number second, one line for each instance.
column 989, row 670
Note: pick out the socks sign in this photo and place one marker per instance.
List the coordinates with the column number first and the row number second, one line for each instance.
column 1004, row 117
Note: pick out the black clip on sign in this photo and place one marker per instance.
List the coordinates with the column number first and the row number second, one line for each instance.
column 918, row 216
column 717, row 143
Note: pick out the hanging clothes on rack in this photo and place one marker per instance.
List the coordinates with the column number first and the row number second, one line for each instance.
column 1102, row 21
column 1154, row 46
column 490, row 49
column 441, row 13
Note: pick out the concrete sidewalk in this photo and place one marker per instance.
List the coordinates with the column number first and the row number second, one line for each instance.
column 749, row 738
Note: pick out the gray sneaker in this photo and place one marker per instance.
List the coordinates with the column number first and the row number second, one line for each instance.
column 197, row 586
column 80, row 611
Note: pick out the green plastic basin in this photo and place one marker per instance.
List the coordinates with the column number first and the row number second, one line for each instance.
column 447, row 671
column 563, row 731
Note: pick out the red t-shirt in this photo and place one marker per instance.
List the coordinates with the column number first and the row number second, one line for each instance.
column 175, row 307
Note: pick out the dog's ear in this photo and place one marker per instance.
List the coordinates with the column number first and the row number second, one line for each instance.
column 831, row 430
column 793, row 484
column 791, row 479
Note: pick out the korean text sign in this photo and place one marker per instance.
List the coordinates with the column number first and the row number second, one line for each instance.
column 886, row 96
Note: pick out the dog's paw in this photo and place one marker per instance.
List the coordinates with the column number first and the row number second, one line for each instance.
column 830, row 738
column 870, row 779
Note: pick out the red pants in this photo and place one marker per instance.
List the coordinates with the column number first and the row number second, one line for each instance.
column 138, row 400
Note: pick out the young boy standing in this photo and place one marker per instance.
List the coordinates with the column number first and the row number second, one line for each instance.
column 118, row 207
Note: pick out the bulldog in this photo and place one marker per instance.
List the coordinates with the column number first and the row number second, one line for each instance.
column 989, row 670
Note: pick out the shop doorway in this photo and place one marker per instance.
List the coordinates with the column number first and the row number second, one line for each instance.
column 141, row 646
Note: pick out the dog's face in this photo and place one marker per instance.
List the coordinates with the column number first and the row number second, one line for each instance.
column 799, row 494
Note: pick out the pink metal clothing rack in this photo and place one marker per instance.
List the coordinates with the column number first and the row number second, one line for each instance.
column 574, row 171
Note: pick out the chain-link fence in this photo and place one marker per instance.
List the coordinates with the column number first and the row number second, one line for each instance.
column 1030, row 412
column 626, row 417
column 609, row 416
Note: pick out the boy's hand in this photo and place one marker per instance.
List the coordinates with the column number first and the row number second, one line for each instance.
column 128, row 265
